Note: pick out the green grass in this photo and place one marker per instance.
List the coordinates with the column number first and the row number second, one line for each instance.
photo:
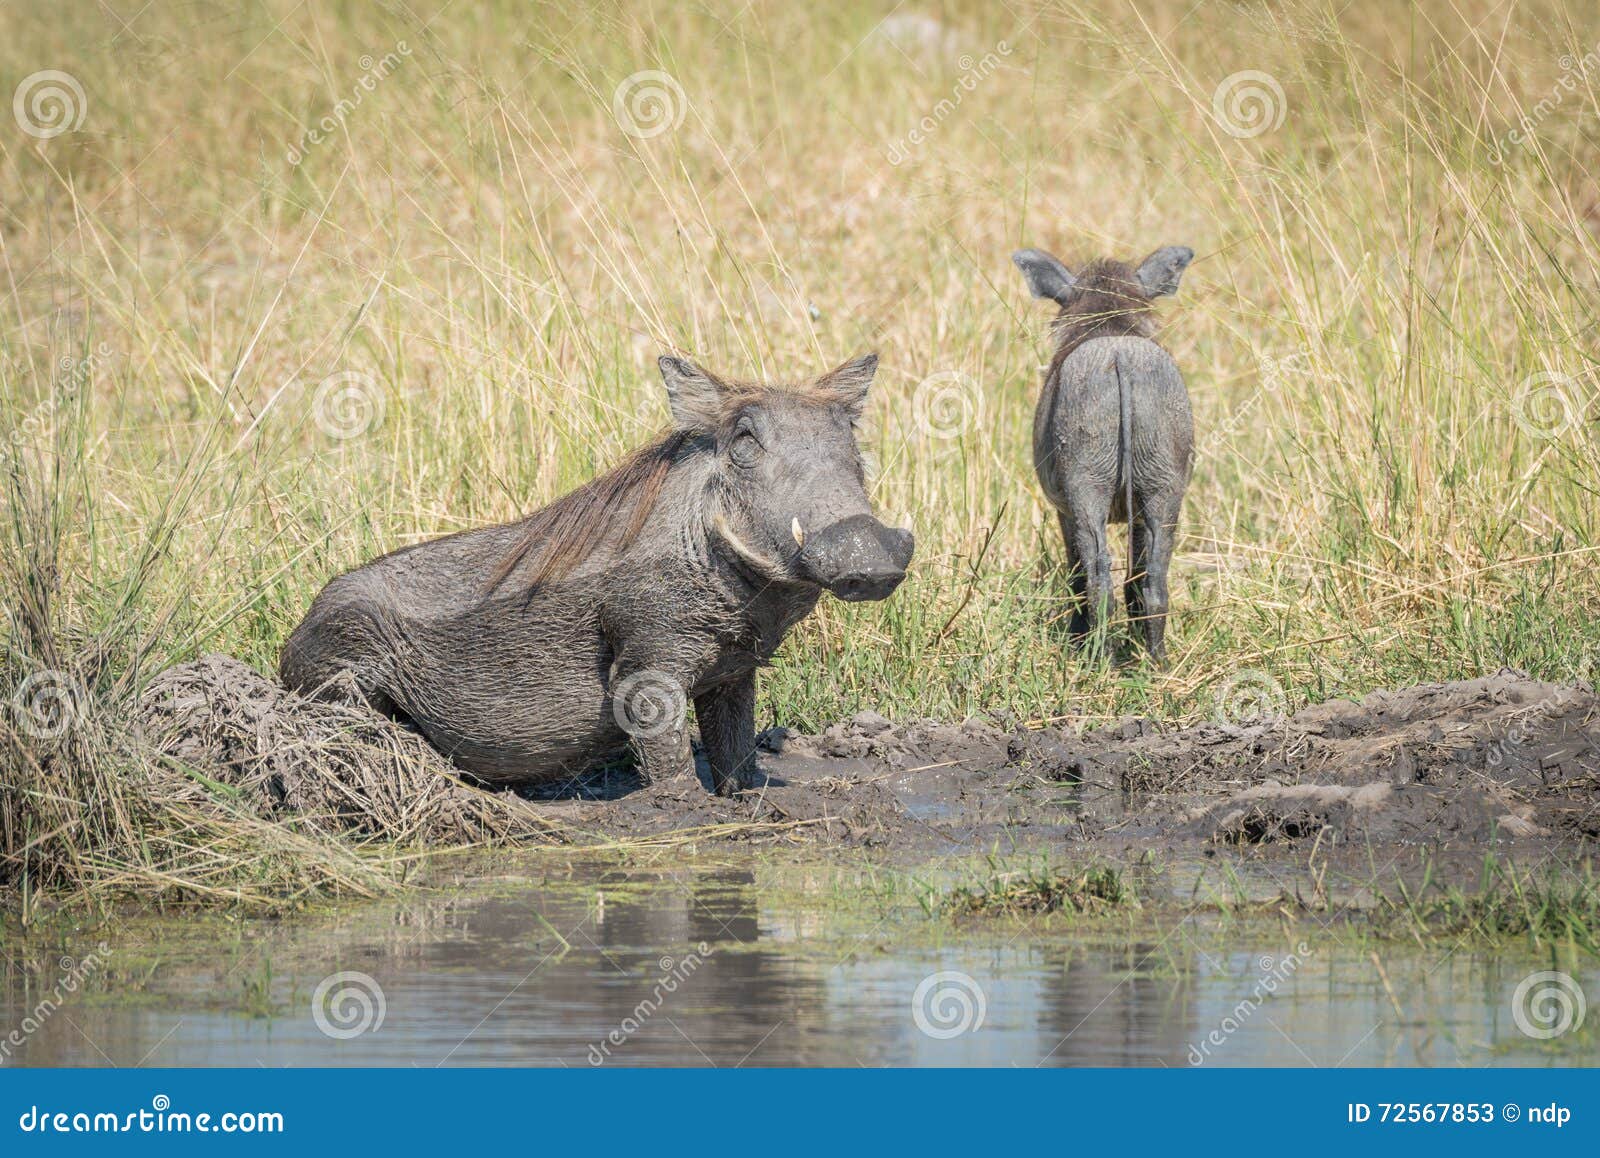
column 1546, row 908
column 479, row 245
column 1039, row 888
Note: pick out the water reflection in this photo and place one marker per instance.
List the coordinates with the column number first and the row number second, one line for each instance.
column 699, row 969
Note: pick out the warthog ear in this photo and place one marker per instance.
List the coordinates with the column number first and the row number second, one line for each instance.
column 1047, row 278
column 848, row 383
column 1158, row 275
column 694, row 396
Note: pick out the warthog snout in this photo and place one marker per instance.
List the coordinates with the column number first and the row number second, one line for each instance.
column 857, row 558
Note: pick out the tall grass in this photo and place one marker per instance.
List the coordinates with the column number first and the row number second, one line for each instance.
column 434, row 211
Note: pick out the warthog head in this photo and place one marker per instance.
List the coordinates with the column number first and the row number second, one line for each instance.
column 787, row 494
column 1104, row 298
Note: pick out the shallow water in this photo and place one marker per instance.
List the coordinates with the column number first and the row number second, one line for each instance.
column 721, row 967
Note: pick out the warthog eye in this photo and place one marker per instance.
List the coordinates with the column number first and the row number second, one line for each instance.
column 745, row 447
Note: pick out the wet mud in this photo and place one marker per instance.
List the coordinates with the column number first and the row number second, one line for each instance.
column 1502, row 761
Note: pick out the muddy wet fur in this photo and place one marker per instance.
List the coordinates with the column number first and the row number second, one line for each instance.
column 531, row 651
column 1113, row 438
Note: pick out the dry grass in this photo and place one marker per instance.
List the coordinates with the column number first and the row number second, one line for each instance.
column 1386, row 492
column 329, row 769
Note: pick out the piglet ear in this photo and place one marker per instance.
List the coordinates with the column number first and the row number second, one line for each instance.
column 694, row 395
column 1159, row 273
column 847, row 384
column 1046, row 277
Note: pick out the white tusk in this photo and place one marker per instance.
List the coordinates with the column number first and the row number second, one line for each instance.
column 739, row 546
column 799, row 535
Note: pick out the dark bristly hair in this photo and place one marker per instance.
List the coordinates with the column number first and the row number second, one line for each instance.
column 564, row 532
column 1107, row 302
column 561, row 536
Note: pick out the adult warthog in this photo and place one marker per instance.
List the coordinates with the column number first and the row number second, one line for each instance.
column 529, row 651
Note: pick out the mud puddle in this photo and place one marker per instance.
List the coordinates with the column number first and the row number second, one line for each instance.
column 1503, row 762
column 721, row 965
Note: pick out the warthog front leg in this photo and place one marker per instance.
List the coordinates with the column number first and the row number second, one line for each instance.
column 727, row 717
column 651, row 706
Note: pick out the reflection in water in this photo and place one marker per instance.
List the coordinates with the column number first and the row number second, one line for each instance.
column 698, row 968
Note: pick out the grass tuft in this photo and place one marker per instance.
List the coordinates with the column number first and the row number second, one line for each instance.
column 1043, row 889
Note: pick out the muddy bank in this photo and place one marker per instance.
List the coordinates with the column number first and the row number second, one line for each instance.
column 1505, row 759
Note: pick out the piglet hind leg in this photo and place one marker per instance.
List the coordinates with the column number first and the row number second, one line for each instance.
column 1086, row 529
column 1077, row 609
column 1160, row 520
